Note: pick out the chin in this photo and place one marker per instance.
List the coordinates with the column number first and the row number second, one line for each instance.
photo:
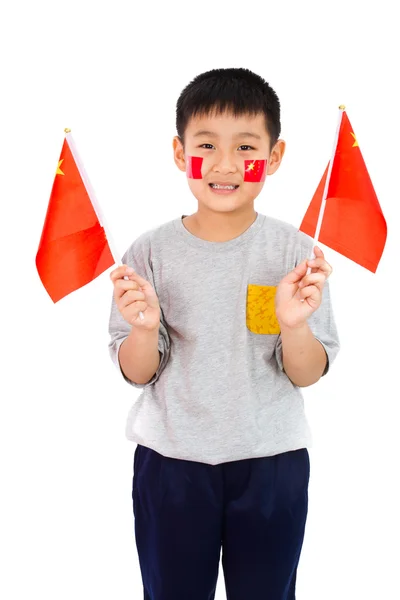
column 224, row 208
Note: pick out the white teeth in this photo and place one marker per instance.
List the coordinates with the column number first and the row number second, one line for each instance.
column 222, row 187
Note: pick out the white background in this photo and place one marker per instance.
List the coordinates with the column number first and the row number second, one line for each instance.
column 112, row 72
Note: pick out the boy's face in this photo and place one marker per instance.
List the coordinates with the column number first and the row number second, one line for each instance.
column 224, row 142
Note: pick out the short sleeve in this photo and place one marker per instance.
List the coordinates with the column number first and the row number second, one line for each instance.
column 139, row 258
column 322, row 322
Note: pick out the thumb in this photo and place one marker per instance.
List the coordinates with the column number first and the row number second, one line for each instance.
column 297, row 274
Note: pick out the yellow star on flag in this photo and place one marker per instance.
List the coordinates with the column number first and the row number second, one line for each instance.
column 59, row 172
column 251, row 167
column 355, row 140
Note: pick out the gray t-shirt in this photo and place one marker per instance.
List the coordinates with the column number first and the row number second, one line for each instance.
column 220, row 393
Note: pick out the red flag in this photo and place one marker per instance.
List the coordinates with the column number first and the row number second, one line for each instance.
column 193, row 167
column 353, row 223
column 255, row 171
column 73, row 249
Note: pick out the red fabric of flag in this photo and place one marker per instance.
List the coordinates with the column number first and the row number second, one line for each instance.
column 193, row 167
column 255, row 171
column 353, row 223
column 73, row 248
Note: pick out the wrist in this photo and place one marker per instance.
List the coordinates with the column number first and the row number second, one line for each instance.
column 288, row 327
column 144, row 332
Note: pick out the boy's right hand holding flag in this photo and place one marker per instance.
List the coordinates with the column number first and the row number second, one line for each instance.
column 133, row 296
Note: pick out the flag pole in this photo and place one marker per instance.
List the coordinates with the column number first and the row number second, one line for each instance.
column 94, row 201
column 326, row 187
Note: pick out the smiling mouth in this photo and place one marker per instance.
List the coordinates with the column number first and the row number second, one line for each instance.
column 216, row 186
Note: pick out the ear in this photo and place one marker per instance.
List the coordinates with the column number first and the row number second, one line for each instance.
column 276, row 156
column 179, row 153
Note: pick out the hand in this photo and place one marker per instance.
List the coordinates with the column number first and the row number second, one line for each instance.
column 133, row 296
column 298, row 294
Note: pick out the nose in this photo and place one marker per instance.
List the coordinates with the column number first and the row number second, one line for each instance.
column 225, row 164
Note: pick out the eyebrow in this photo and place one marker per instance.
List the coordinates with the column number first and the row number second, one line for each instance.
column 243, row 134
column 204, row 132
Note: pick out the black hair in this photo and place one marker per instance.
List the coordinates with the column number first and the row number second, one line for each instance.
column 239, row 91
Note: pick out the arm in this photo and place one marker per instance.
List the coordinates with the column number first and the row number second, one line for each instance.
column 139, row 357
column 308, row 340
column 304, row 357
column 139, row 348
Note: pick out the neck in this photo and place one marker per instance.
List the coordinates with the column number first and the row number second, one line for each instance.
column 220, row 227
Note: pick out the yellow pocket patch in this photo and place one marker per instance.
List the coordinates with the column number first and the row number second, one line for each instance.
column 260, row 309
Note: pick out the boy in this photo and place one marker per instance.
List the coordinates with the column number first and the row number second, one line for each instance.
column 232, row 328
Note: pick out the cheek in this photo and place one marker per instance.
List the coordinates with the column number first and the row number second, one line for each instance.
column 196, row 187
column 255, row 171
column 194, row 167
column 252, row 190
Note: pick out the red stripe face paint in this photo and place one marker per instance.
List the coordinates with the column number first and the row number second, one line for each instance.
column 255, row 171
column 193, row 167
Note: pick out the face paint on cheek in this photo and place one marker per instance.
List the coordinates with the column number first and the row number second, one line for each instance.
column 255, row 171
column 193, row 167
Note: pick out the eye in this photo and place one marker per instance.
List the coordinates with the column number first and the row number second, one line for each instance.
column 246, row 146
column 210, row 146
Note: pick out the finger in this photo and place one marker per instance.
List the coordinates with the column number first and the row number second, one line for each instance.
column 130, row 297
column 318, row 252
column 136, row 277
column 126, row 271
column 297, row 274
column 126, row 284
column 317, row 262
column 119, row 273
column 321, row 265
column 317, row 279
column 140, row 307
column 121, row 286
column 311, row 292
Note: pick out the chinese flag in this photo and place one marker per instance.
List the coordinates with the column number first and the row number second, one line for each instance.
column 255, row 171
column 353, row 223
column 73, row 249
column 193, row 167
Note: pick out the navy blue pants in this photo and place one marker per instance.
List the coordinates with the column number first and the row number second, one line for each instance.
column 185, row 512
